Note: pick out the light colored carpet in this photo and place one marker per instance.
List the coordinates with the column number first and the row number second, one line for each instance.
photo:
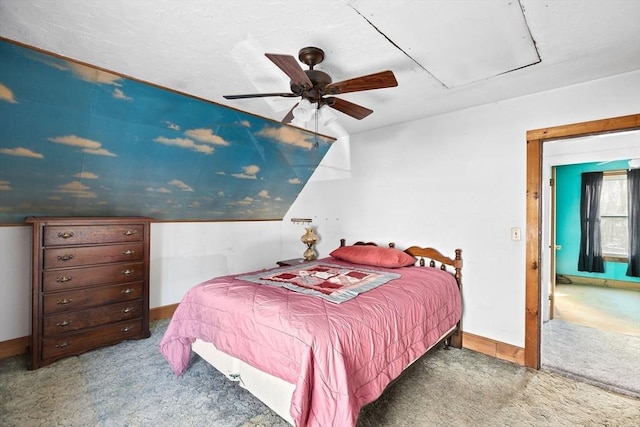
column 612, row 309
column 601, row 357
column 131, row 385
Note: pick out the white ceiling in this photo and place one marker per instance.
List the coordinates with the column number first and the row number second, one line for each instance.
column 446, row 55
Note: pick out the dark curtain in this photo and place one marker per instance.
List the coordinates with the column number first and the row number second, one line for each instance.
column 633, row 199
column 590, row 238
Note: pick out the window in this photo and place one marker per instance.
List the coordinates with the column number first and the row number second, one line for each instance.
column 614, row 216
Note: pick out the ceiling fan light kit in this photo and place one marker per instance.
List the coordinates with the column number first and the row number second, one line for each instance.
column 303, row 111
column 313, row 86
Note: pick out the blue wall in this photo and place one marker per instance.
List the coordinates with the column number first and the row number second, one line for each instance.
column 568, row 179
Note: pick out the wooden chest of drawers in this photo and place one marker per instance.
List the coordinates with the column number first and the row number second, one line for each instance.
column 90, row 284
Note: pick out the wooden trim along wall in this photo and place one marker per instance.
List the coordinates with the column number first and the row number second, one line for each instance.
column 535, row 141
column 483, row 345
column 20, row 345
column 508, row 352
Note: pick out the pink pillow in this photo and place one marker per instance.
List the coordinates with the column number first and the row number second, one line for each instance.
column 374, row 255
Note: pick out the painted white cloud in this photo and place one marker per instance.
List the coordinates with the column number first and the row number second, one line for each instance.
column 99, row 152
column 244, row 202
column 77, row 189
column 164, row 190
column 287, row 135
column 93, row 75
column 185, row 143
column 76, row 141
column 119, row 94
column 264, row 194
column 172, row 126
column 294, row 181
column 5, row 186
column 7, row 95
column 206, row 135
column 88, row 74
column 180, row 185
column 248, row 172
column 87, row 145
column 86, row 175
column 21, row 152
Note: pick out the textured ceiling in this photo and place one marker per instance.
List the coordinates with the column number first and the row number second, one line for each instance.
column 446, row 55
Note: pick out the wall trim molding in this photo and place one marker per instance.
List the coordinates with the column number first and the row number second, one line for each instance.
column 164, row 312
column 498, row 349
column 508, row 352
column 14, row 347
column 18, row 346
column 606, row 283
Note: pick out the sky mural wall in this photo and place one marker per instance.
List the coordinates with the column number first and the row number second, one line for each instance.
column 79, row 141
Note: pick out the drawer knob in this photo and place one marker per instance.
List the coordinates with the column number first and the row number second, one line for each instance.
column 63, row 279
column 64, row 301
column 127, row 272
column 128, row 291
column 65, row 234
column 64, row 323
column 63, row 344
column 127, row 329
column 128, row 252
column 128, row 309
column 129, row 232
column 65, row 257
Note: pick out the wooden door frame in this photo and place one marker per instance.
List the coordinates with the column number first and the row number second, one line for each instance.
column 535, row 141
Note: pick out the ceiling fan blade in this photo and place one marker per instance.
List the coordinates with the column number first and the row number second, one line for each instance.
column 291, row 68
column 372, row 81
column 349, row 108
column 289, row 116
column 260, row 95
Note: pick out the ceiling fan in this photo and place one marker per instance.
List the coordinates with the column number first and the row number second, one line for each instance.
column 316, row 86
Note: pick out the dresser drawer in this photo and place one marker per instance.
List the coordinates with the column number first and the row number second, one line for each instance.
column 86, row 298
column 64, row 235
column 76, row 256
column 81, row 341
column 69, row 278
column 72, row 321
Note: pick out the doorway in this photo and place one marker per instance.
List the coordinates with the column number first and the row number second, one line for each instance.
column 590, row 332
column 534, row 235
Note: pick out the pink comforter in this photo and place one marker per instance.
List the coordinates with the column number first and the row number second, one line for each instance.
column 339, row 356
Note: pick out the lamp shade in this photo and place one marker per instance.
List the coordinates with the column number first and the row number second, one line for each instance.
column 326, row 115
column 303, row 111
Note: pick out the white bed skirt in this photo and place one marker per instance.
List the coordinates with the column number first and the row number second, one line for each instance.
column 274, row 392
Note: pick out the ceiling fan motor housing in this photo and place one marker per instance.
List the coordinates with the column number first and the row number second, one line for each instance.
column 319, row 79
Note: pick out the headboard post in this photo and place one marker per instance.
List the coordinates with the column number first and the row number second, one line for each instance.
column 458, row 267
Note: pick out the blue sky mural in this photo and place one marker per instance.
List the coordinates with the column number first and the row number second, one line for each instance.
column 77, row 141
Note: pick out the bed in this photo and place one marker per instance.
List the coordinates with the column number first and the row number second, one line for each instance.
column 317, row 341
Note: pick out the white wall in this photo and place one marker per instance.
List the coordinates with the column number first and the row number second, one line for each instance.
column 459, row 181
column 452, row 181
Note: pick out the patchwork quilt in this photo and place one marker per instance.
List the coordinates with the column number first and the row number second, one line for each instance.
column 332, row 282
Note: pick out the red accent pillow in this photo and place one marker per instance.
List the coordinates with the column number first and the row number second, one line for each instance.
column 374, row 255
